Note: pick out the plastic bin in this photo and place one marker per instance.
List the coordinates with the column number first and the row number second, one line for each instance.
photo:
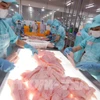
column 39, row 44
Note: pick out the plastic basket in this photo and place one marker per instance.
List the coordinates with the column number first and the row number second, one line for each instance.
column 39, row 44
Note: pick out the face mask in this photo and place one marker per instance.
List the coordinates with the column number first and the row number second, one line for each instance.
column 3, row 13
column 95, row 34
column 48, row 28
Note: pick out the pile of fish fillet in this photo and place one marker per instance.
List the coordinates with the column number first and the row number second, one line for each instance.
column 48, row 82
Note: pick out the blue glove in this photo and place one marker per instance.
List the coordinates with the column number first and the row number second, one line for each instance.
column 86, row 66
column 5, row 65
column 68, row 50
column 27, row 46
column 53, row 38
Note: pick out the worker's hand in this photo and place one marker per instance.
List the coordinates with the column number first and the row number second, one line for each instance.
column 5, row 65
column 68, row 51
column 86, row 66
column 53, row 38
column 27, row 46
column 13, row 57
column 57, row 38
column 51, row 45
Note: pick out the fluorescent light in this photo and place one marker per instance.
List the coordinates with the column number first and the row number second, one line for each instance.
column 98, row 10
column 50, row 13
column 69, row 3
column 42, row 9
column 90, row 18
column 17, row 6
column 58, row 9
column 30, row 9
column 89, row 6
column 12, row 9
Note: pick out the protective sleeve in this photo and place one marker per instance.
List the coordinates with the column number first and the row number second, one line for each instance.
column 13, row 36
column 61, row 32
column 84, row 34
column 84, row 43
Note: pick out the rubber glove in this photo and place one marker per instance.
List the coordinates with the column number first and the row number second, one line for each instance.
column 27, row 46
column 53, row 38
column 5, row 65
column 86, row 66
column 68, row 51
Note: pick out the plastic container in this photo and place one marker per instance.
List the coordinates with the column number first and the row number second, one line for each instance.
column 39, row 44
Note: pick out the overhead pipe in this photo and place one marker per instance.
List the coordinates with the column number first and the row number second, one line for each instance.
column 82, row 14
column 20, row 7
column 69, row 12
column 78, row 12
column 72, row 13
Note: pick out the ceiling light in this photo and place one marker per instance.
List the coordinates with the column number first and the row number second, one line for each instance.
column 74, row 15
column 90, row 5
column 12, row 9
column 42, row 9
column 30, row 9
column 62, row 17
column 69, row 3
column 50, row 13
column 49, row 0
column 29, row 5
column 98, row 10
column 58, row 9
column 47, row 15
column 90, row 18
column 17, row 6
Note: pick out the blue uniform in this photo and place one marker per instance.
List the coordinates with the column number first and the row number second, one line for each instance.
column 7, row 36
column 60, row 44
column 79, row 38
column 83, row 34
column 92, row 54
column 11, row 23
column 57, row 29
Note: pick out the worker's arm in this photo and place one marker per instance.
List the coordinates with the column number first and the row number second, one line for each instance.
column 57, row 38
column 72, row 49
column 20, row 43
column 23, row 44
column 77, row 48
